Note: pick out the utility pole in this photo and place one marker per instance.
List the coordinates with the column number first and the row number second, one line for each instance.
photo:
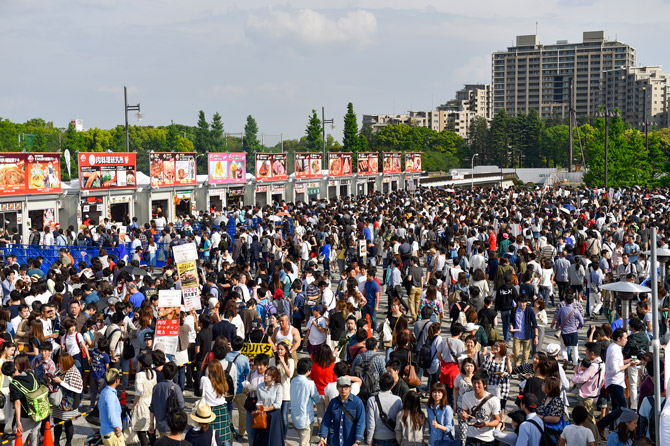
column 570, row 125
column 325, row 121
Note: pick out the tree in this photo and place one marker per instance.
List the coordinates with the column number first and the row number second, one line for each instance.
column 499, row 139
column 216, row 134
column 202, row 143
column 250, row 143
column 478, row 140
column 314, row 140
column 350, row 140
column 555, row 145
column 362, row 143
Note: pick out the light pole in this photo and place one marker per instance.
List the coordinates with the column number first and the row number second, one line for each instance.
column 126, row 109
column 325, row 121
column 607, row 114
column 472, row 172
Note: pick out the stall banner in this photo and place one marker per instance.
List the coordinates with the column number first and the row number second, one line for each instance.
column 308, row 165
column 253, row 349
column 271, row 167
column 413, row 162
column 368, row 163
column 107, row 170
column 172, row 169
column 339, row 164
column 29, row 173
column 225, row 168
column 392, row 162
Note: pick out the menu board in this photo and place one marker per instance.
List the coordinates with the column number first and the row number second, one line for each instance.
column 339, row 164
column 271, row 167
column 227, row 168
column 307, row 165
column 107, row 170
column 172, row 169
column 368, row 163
column 413, row 162
column 392, row 162
column 29, row 173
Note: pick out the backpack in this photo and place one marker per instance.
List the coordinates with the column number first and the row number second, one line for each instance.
column 224, row 244
column 365, row 370
column 37, row 399
column 425, row 358
column 172, row 403
column 109, row 337
column 462, row 319
column 545, row 438
column 229, row 379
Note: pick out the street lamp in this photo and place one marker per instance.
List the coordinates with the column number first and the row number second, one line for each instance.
column 625, row 291
column 607, row 114
column 472, row 171
column 126, row 109
column 325, row 121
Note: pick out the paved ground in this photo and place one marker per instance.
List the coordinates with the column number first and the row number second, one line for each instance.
column 84, row 429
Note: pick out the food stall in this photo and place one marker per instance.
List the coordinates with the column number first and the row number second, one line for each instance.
column 173, row 178
column 308, row 166
column 226, row 176
column 368, row 172
column 413, row 167
column 340, row 166
column 392, row 169
column 271, row 177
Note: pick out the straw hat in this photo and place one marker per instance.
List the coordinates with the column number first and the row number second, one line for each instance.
column 203, row 414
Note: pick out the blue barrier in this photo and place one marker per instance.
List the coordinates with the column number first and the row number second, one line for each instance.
column 79, row 253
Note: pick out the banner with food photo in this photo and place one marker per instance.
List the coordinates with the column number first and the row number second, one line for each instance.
column 339, row 164
column 227, row 168
column 271, row 167
column 307, row 165
column 368, row 163
column 29, row 173
column 185, row 257
column 392, row 162
column 413, row 162
column 172, row 169
column 116, row 170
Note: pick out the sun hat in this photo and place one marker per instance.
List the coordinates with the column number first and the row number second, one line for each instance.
column 203, row 414
column 553, row 349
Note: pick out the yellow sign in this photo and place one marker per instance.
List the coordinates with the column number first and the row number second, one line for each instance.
column 188, row 274
column 253, row 349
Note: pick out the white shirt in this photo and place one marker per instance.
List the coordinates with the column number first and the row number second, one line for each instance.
column 613, row 372
column 316, row 337
column 209, row 395
column 328, row 299
column 577, row 435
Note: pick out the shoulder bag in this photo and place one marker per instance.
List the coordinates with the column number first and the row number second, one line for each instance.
column 411, row 377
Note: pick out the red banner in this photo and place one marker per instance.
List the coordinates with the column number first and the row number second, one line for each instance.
column 368, row 163
column 271, row 167
column 413, row 162
column 29, row 173
column 107, row 170
column 307, row 165
column 392, row 162
column 339, row 164
column 167, row 327
column 172, row 169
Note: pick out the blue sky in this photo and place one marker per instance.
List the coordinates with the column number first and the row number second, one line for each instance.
column 278, row 60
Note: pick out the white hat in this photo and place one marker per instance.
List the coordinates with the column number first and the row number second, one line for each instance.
column 470, row 327
column 213, row 301
column 553, row 349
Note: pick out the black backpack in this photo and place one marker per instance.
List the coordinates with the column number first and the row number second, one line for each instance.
column 229, row 380
column 545, row 438
column 365, row 370
column 172, row 403
column 425, row 358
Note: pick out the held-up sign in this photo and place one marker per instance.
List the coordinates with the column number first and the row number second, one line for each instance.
column 192, row 299
column 253, row 349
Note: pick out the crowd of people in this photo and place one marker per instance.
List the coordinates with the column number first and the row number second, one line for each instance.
column 434, row 317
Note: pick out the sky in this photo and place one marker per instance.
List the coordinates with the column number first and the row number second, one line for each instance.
column 275, row 60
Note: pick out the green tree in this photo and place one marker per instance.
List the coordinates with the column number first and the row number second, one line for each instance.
column 362, row 143
column 313, row 139
column 202, row 141
column 216, row 134
column 499, row 139
column 350, row 139
column 478, row 140
column 250, row 143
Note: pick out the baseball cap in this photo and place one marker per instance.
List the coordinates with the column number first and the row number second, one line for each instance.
column 530, row 400
column 343, row 381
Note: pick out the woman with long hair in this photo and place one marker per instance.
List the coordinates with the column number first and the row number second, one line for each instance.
column 270, row 401
column 214, row 388
column 36, row 338
column 547, row 281
column 72, row 386
column 551, row 408
column 462, row 385
column 478, row 280
column 440, row 415
column 499, row 369
column 624, row 434
column 389, row 327
column 145, row 381
column 283, row 361
column 323, row 372
column 7, row 351
column 430, row 299
column 410, row 421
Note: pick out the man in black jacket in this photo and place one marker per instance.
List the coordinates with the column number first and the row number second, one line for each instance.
column 505, row 295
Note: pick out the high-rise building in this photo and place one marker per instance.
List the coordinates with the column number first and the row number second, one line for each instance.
column 640, row 93
column 530, row 75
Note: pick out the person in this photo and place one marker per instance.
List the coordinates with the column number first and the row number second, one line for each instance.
column 343, row 423
column 22, row 380
column 530, row 431
column 255, row 378
column 317, row 329
column 177, row 423
column 637, row 342
column 382, row 408
column 203, row 434
column 569, row 319
column 506, row 295
column 111, row 427
column 524, row 330
column 286, row 366
column 576, row 434
column 71, row 385
column 410, row 421
column 499, row 370
column 270, row 395
column 7, row 351
column 440, row 415
column 242, row 363
column 541, row 317
column 484, row 410
column 552, row 408
column 158, row 407
column 400, row 387
column 463, row 385
column 100, row 361
column 590, row 378
column 303, row 396
column 625, row 430
column 448, row 353
column 145, row 381
column 214, row 388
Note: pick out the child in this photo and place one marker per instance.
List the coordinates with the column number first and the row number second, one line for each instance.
column 576, row 434
column 440, row 415
column 99, row 365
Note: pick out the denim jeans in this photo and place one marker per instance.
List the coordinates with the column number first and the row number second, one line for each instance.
column 506, row 316
column 285, row 406
column 618, row 396
column 373, row 316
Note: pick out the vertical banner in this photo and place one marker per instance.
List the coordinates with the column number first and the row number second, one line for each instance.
column 271, row 167
column 307, row 165
column 167, row 324
column 186, row 259
column 392, row 162
column 339, row 164
column 224, row 168
column 368, row 163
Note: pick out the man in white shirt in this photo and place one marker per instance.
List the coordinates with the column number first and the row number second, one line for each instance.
column 482, row 409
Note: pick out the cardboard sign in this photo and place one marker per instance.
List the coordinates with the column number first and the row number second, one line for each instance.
column 169, row 298
column 168, row 344
column 191, row 298
column 185, row 252
column 253, row 349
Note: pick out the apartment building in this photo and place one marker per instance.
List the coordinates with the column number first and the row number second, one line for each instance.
column 531, row 75
column 640, row 93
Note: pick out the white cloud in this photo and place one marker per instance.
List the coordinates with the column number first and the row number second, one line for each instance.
column 313, row 28
column 229, row 89
column 476, row 69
